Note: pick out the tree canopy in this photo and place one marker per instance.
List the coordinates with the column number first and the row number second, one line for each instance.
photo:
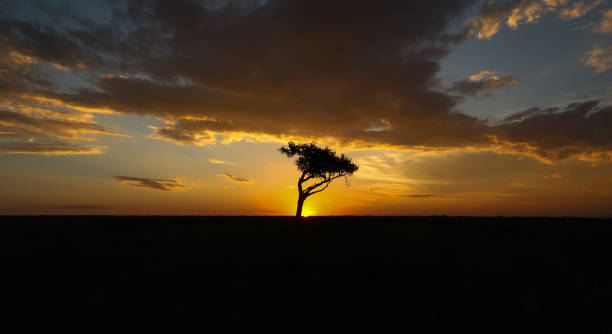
column 320, row 164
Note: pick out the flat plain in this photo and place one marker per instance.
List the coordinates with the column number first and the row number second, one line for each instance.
column 100, row 274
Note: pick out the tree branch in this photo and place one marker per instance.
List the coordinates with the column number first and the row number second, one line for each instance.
column 326, row 180
column 317, row 185
column 320, row 190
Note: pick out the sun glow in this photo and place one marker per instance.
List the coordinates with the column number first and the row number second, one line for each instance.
column 308, row 212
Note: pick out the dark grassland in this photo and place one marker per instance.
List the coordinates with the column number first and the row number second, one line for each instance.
column 344, row 274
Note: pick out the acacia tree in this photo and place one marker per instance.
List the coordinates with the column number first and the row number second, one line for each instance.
column 320, row 165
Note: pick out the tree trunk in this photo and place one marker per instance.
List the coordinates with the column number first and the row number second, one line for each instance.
column 300, row 204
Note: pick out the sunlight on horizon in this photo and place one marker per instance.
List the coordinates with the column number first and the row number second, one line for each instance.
column 308, row 212
column 496, row 118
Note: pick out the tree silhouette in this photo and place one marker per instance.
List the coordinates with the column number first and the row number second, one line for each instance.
column 319, row 164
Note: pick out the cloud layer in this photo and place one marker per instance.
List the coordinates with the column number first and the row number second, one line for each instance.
column 276, row 68
column 579, row 130
column 212, row 71
column 33, row 122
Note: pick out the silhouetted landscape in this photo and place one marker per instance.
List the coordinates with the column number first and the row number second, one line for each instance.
column 97, row 274
column 267, row 115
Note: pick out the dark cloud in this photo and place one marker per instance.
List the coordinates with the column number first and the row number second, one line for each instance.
column 236, row 179
column 298, row 68
column 42, row 42
column 527, row 113
column 159, row 184
column 579, row 130
column 482, row 87
column 352, row 71
column 417, row 195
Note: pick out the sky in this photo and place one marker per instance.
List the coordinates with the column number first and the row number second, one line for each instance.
column 180, row 107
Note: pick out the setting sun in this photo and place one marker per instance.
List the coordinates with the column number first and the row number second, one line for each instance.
column 308, row 212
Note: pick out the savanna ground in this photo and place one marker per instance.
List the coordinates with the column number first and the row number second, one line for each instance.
column 344, row 274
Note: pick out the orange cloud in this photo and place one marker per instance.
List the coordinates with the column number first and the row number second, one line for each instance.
column 517, row 12
column 17, row 59
column 599, row 58
column 219, row 162
column 605, row 26
column 480, row 75
column 578, row 9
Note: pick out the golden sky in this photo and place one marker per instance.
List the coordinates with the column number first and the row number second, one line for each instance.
column 456, row 108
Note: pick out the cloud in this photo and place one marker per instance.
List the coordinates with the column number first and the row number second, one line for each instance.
column 235, row 178
column 578, row 9
column 605, row 26
column 192, row 130
column 35, row 123
column 28, row 78
column 482, row 83
column 516, row 12
column 14, row 58
column 159, row 184
column 24, row 125
column 47, row 148
column 585, row 26
column 382, row 70
column 480, row 75
column 599, row 58
column 529, row 12
column 554, row 176
column 219, row 162
column 348, row 73
column 47, row 136
column 45, row 43
column 527, row 113
column 580, row 130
